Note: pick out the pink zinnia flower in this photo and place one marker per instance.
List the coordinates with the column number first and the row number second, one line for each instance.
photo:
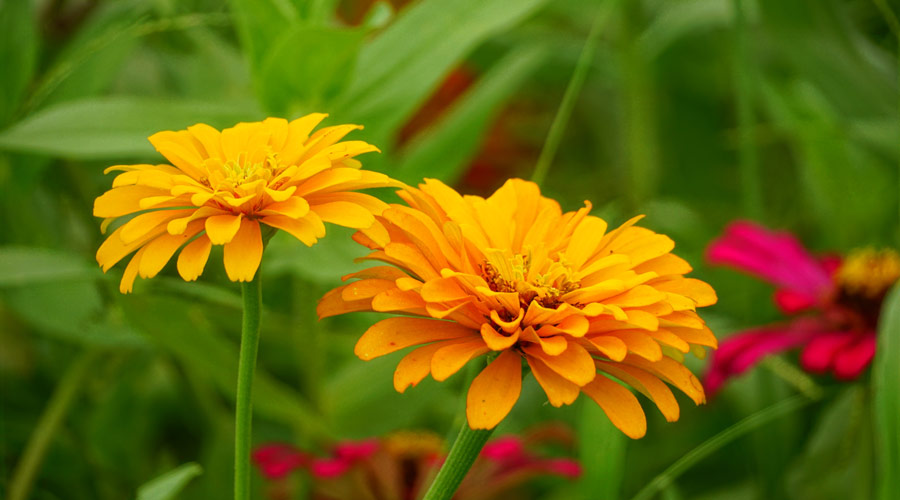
column 399, row 465
column 833, row 303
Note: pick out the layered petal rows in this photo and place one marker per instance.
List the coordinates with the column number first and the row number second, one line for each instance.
column 219, row 188
column 515, row 278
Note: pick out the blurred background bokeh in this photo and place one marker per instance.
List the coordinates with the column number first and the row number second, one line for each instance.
column 694, row 112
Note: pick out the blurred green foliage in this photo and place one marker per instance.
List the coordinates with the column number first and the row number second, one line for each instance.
column 656, row 129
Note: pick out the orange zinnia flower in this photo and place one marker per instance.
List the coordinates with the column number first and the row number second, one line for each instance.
column 222, row 185
column 514, row 276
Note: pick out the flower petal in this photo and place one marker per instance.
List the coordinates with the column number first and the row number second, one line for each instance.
column 494, row 391
column 244, row 252
column 619, row 404
column 222, row 228
column 393, row 334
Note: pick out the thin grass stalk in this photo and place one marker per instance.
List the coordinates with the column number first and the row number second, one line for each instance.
column 573, row 89
column 721, row 439
column 58, row 406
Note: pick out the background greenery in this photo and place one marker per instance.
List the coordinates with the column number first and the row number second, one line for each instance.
column 695, row 112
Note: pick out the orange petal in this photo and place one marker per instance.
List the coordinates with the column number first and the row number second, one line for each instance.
column 648, row 384
column 575, row 363
column 393, row 334
column 415, row 366
column 221, row 228
column 613, row 348
column 619, row 404
column 124, row 200
column 244, row 252
column 494, row 391
column 333, row 304
column 345, row 214
column 452, row 358
column 302, row 229
column 559, row 390
column 193, row 257
column 495, row 340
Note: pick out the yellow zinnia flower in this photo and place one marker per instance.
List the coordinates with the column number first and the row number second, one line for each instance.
column 514, row 276
column 221, row 185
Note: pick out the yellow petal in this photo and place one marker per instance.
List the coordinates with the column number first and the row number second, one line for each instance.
column 193, row 257
column 494, row 391
column 450, row 359
column 393, row 334
column 559, row 390
column 302, row 229
column 222, row 228
column 619, row 404
column 244, row 252
column 345, row 214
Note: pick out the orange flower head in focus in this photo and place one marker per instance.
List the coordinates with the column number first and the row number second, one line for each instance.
column 219, row 188
column 515, row 278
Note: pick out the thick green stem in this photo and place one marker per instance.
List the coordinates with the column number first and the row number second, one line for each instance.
column 243, row 416
column 463, row 454
column 57, row 408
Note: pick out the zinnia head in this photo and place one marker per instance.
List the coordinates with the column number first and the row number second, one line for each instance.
column 841, row 296
column 514, row 278
column 219, row 188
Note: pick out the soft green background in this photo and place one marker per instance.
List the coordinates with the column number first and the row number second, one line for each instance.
column 693, row 112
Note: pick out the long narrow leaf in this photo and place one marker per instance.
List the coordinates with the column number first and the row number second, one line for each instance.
column 886, row 382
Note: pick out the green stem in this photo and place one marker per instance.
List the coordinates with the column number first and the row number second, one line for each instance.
column 743, row 79
column 716, row 442
column 57, row 408
column 462, row 455
column 554, row 136
column 243, row 417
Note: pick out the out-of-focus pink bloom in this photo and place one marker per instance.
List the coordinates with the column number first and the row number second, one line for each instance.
column 399, row 465
column 276, row 460
column 835, row 303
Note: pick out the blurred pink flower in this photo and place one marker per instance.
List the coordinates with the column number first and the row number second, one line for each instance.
column 834, row 303
column 399, row 465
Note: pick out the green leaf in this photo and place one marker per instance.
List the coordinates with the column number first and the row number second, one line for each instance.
column 601, row 450
column 307, row 67
column 404, row 63
column 113, row 127
column 167, row 486
column 886, row 404
column 187, row 335
column 18, row 51
column 21, row 266
column 261, row 24
column 445, row 149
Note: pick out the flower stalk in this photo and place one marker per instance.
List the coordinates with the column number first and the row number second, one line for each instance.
column 462, row 455
column 252, row 295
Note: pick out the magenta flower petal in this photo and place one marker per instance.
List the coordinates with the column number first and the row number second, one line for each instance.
column 791, row 302
column 356, row 450
column 741, row 351
column 329, row 468
column 775, row 257
column 277, row 460
column 504, row 448
column 819, row 355
column 563, row 467
column 851, row 361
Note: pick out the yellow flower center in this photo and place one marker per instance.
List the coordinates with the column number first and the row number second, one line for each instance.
column 525, row 275
column 242, row 171
column 868, row 273
column 413, row 444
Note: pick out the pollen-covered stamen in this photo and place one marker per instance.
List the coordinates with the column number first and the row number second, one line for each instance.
column 514, row 273
column 863, row 280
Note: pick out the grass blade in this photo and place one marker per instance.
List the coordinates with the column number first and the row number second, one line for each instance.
column 716, row 442
column 886, row 402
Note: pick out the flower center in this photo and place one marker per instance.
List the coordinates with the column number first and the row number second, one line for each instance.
column 245, row 170
column 868, row 272
column 863, row 280
column 533, row 278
